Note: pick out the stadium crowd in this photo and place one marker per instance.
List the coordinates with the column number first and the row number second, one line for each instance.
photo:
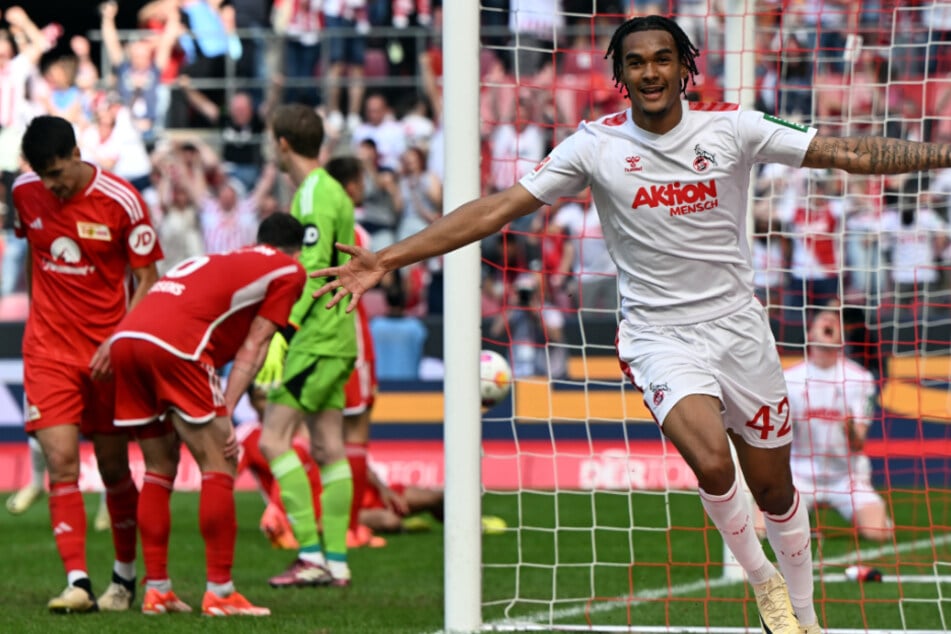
column 178, row 107
column 818, row 232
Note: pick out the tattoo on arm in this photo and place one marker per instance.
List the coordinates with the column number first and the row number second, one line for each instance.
column 876, row 155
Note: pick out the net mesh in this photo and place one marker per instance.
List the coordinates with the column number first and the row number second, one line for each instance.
column 605, row 529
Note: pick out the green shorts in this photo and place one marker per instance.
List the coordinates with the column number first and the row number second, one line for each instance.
column 313, row 383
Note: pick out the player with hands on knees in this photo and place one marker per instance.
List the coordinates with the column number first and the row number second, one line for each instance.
column 227, row 307
column 691, row 337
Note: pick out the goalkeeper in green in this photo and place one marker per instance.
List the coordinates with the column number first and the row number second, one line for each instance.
column 307, row 371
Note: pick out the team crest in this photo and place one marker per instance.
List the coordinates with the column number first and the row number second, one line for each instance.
column 658, row 390
column 703, row 160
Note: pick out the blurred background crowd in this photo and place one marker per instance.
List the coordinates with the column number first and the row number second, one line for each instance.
column 173, row 95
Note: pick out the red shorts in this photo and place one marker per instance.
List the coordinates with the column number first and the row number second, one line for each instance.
column 153, row 381
column 361, row 387
column 372, row 499
column 62, row 394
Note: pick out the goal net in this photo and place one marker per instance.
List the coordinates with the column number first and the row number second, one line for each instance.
column 605, row 528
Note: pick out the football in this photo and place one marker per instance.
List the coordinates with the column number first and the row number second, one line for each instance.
column 495, row 377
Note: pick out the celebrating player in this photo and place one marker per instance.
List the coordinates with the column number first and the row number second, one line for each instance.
column 831, row 402
column 670, row 180
column 319, row 359
column 85, row 228
column 226, row 307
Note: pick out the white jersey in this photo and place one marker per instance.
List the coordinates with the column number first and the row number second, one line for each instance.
column 820, row 401
column 673, row 206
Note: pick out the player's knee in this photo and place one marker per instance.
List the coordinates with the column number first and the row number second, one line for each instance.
column 113, row 472
column 877, row 534
column 715, row 473
column 774, row 498
column 272, row 445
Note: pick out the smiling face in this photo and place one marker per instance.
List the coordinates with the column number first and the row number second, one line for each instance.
column 653, row 75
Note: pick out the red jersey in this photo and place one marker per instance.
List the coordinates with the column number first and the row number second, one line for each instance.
column 82, row 251
column 203, row 308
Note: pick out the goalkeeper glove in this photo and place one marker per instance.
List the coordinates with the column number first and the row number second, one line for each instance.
column 272, row 372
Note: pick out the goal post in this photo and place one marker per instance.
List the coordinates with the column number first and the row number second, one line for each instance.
column 462, row 428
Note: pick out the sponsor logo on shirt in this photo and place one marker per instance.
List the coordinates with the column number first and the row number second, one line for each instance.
column 633, row 164
column 789, row 124
column 93, row 231
column 704, row 159
column 542, row 164
column 142, row 240
column 680, row 199
column 65, row 249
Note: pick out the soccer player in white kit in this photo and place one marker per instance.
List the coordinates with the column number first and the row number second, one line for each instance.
column 832, row 400
column 670, row 181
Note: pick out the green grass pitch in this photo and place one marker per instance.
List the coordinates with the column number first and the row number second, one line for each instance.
column 399, row 588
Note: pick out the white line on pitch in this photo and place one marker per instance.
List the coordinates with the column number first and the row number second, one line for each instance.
column 626, row 601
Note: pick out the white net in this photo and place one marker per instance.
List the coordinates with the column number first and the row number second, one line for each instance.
column 605, row 529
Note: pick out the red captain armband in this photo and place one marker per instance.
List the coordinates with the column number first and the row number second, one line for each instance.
column 712, row 106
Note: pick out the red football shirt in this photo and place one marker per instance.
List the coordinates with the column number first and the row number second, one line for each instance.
column 203, row 308
column 82, row 251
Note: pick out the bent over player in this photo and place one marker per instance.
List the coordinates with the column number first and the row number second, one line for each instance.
column 226, row 307
column 670, row 180
column 86, row 228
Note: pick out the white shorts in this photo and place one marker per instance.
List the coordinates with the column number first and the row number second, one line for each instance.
column 846, row 494
column 732, row 358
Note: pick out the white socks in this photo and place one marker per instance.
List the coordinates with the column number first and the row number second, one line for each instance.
column 792, row 542
column 733, row 517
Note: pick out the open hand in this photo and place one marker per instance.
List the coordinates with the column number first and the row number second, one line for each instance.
column 354, row 278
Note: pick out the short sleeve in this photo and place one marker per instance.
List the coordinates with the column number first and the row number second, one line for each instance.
column 768, row 139
column 282, row 293
column 566, row 170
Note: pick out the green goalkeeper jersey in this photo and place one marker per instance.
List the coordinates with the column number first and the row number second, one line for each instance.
column 322, row 205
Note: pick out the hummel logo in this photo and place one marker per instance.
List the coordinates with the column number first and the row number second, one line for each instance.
column 633, row 164
column 37, row 224
column 62, row 528
column 125, row 524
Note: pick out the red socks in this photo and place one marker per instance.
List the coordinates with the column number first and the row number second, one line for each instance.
column 219, row 527
column 68, row 520
column 155, row 524
column 357, row 457
column 122, row 499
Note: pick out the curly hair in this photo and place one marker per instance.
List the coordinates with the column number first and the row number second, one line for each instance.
column 685, row 48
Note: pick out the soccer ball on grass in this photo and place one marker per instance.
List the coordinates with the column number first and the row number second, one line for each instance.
column 495, row 375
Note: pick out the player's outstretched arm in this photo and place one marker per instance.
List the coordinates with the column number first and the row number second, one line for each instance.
column 876, row 155
column 472, row 221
